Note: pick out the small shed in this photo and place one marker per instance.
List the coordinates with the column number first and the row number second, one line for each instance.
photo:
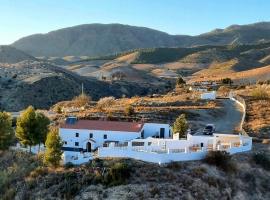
column 209, row 95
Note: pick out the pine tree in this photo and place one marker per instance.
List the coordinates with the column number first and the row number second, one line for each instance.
column 53, row 151
column 42, row 128
column 32, row 127
column 6, row 131
column 180, row 126
column 26, row 127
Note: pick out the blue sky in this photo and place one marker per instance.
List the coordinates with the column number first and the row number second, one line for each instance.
column 20, row 18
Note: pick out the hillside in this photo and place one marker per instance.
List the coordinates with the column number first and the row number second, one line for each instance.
column 199, row 63
column 41, row 84
column 24, row 177
column 10, row 55
column 104, row 39
column 93, row 40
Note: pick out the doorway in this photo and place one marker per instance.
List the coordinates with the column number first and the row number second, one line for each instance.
column 162, row 132
column 88, row 147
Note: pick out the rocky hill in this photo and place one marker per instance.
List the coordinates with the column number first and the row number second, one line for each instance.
column 207, row 61
column 104, row 39
column 24, row 81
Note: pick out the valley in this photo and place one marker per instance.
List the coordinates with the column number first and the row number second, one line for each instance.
column 147, row 99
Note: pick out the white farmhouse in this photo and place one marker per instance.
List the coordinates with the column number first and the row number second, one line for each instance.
column 80, row 137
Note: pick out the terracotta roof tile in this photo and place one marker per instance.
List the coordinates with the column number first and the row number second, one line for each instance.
column 104, row 125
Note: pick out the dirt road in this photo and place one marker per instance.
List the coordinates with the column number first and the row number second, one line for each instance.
column 227, row 117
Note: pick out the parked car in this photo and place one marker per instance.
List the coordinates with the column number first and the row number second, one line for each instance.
column 209, row 129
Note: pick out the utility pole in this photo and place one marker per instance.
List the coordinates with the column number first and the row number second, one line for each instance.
column 82, row 89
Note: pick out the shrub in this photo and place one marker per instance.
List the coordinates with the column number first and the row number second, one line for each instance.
column 105, row 102
column 221, row 159
column 82, row 100
column 69, row 165
column 262, row 159
column 39, row 171
column 180, row 82
column 97, row 163
column 58, row 109
column 260, row 94
column 174, row 165
column 227, row 81
column 129, row 110
column 117, row 174
column 198, row 171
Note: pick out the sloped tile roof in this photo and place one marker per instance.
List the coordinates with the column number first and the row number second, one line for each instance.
column 104, row 125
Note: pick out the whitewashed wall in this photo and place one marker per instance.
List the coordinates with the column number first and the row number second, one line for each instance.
column 151, row 129
column 76, row 158
column 154, row 153
column 198, row 139
column 69, row 135
column 150, row 157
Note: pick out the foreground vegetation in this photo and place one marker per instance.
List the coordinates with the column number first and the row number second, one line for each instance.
column 220, row 176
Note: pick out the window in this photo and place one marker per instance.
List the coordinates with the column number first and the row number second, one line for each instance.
column 77, row 134
column 91, row 135
column 76, row 144
column 105, row 136
column 138, row 144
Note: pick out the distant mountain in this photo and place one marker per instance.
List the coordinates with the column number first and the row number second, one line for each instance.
column 237, row 34
column 104, row 39
column 93, row 40
column 11, row 55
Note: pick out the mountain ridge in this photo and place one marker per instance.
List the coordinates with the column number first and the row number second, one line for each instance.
column 104, row 39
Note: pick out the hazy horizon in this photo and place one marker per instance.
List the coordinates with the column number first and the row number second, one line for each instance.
column 186, row 17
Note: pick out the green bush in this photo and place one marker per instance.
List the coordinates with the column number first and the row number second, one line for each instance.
column 97, row 163
column 69, row 165
column 129, row 110
column 262, row 159
column 222, row 160
column 118, row 174
column 227, row 81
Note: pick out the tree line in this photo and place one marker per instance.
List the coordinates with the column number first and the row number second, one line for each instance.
column 32, row 128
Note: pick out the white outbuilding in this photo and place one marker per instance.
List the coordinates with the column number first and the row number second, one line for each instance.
column 209, row 95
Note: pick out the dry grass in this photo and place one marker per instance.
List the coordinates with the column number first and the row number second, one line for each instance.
column 220, row 71
column 258, row 112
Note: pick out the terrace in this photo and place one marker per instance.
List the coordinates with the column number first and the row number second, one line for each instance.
column 167, row 150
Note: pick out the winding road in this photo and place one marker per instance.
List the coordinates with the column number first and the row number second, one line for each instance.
column 226, row 117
